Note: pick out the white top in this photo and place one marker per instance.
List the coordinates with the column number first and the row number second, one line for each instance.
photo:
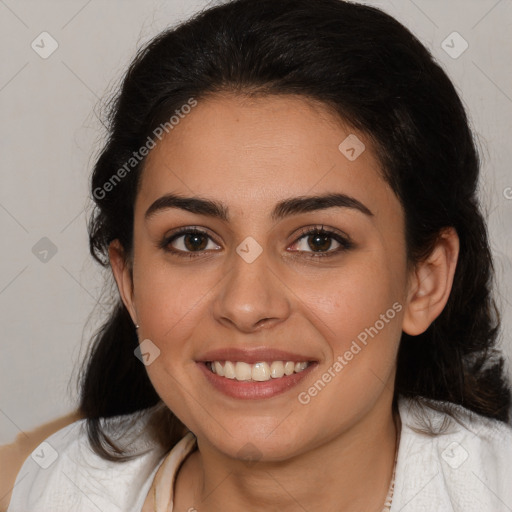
column 466, row 469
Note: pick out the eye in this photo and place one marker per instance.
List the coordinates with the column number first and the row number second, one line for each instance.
column 316, row 241
column 186, row 241
column 320, row 241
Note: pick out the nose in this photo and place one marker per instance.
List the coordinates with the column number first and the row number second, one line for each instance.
column 252, row 296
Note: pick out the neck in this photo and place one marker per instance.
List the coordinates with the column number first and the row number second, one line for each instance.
column 350, row 472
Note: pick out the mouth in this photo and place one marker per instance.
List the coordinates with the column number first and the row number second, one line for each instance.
column 256, row 381
column 262, row 371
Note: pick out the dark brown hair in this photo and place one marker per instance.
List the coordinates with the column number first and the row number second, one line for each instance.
column 371, row 71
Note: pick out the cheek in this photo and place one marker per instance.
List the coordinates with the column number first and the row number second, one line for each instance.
column 358, row 313
column 167, row 294
column 170, row 304
column 359, row 302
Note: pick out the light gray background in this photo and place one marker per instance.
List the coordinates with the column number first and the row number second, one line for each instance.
column 49, row 136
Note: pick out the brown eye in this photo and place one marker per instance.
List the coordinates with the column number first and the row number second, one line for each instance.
column 195, row 242
column 188, row 241
column 318, row 242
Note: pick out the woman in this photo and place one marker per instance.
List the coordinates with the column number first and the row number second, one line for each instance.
column 287, row 201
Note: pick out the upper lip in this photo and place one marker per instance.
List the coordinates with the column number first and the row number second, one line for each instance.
column 255, row 355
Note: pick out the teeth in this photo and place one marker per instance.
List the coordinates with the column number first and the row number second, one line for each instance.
column 258, row 372
column 300, row 366
column 261, row 372
column 218, row 369
column 229, row 370
column 242, row 371
column 289, row 368
column 277, row 369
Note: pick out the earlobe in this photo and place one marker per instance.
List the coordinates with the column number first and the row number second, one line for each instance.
column 430, row 284
column 123, row 276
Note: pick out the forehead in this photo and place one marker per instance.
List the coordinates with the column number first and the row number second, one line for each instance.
column 253, row 152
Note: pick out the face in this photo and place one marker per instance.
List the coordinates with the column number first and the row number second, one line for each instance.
column 257, row 279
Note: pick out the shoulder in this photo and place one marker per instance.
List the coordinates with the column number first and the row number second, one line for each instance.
column 461, row 466
column 13, row 455
column 480, row 435
column 63, row 472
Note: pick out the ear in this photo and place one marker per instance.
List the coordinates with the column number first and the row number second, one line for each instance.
column 122, row 270
column 430, row 284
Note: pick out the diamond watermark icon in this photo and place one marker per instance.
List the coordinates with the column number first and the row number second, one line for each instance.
column 454, row 45
column 250, row 454
column 454, row 455
column 44, row 455
column 44, row 250
column 352, row 147
column 44, row 45
column 249, row 249
column 147, row 352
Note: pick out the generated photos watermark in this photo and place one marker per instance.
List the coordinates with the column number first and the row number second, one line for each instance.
column 343, row 360
column 143, row 151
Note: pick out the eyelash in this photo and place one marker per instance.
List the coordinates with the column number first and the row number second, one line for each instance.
column 345, row 242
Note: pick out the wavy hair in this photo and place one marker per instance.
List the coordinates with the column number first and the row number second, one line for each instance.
column 379, row 79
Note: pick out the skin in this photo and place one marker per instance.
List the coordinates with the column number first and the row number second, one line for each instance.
column 250, row 154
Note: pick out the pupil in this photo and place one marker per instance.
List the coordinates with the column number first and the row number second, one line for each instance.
column 317, row 239
column 194, row 245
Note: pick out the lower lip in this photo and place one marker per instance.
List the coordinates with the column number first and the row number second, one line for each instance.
column 250, row 390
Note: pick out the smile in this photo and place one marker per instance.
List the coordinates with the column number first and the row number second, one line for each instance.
column 259, row 372
column 261, row 380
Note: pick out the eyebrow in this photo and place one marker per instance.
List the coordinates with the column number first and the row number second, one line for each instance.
column 285, row 208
